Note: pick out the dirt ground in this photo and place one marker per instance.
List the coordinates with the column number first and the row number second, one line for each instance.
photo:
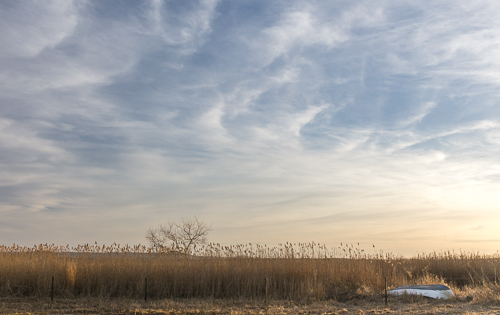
column 169, row 306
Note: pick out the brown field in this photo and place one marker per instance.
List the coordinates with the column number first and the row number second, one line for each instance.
column 26, row 305
column 298, row 278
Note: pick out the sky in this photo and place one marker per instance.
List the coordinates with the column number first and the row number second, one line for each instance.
column 375, row 122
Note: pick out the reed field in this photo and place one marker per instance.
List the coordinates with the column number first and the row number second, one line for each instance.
column 294, row 272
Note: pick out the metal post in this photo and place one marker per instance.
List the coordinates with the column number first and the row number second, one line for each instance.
column 265, row 284
column 385, row 295
column 52, row 290
column 145, row 289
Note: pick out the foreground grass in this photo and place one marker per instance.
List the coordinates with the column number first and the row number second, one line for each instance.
column 372, row 305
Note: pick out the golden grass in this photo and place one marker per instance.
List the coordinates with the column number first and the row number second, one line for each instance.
column 30, row 305
column 229, row 306
column 299, row 272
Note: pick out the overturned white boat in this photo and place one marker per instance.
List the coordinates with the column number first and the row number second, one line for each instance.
column 434, row 291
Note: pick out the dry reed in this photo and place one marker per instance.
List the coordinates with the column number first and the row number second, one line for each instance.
column 293, row 271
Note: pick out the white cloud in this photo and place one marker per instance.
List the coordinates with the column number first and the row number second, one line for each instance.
column 29, row 146
column 88, row 54
column 423, row 111
column 297, row 121
column 447, row 43
column 31, row 26
column 187, row 29
column 300, row 28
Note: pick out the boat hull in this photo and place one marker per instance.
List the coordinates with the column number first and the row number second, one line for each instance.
column 434, row 291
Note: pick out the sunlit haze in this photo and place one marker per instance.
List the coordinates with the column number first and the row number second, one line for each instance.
column 375, row 122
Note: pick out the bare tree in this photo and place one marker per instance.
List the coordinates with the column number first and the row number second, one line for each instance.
column 180, row 236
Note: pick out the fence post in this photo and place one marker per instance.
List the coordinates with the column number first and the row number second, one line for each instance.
column 146, row 289
column 385, row 295
column 52, row 290
column 265, row 284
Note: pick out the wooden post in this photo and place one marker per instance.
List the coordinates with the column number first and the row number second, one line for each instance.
column 265, row 284
column 385, row 295
column 52, row 290
column 145, row 289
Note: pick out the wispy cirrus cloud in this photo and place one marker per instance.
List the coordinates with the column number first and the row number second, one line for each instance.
column 55, row 21
column 274, row 121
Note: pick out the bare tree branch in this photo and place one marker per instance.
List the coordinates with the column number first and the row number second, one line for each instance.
column 180, row 236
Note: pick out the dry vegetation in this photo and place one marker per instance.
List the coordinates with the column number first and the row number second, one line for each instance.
column 235, row 307
column 298, row 273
